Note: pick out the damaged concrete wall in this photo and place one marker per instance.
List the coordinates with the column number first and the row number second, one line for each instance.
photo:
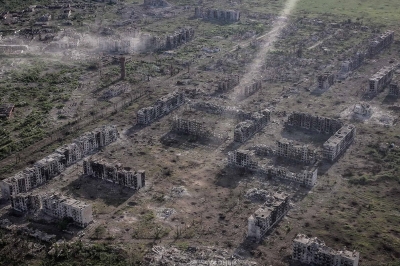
column 326, row 80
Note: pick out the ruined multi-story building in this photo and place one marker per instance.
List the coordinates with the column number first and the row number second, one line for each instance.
column 55, row 206
column 242, row 159
column 326, row 80
column 306, row 177
column 244, row 130
column 337, row 144
column 310, row 122
column 270, row 213
column 25, row 202
column 379, row 43
column 350, row 65
column 394, row 88
column 163, row 106
column 380, row 80
column 52, row 165
column 228, row 83
column 114, row 173
column 62, row 207
column 217, row 15
column 190, row 127
column 246, row 91
column 300, row 153
column 313, row 251
column 179, row 37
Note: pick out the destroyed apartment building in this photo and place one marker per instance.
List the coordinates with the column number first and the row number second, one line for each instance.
column 179, row 37
column 190, row 127
column 52, row 165
column 313, row 123
column 307, row 176
column 6, row 110
column 54, row 205
column 326, row 80
column 246, row 129
column 394, row 88
column 380, row 80
column 162, row 107
column 379, row 43
column 217, row 15
column 337, row 144
column 114, row 173
column 350, row 65
column 247, row 91
column 300, row 153
column 228, row 83
column 313, row 251
column 362, row 109
column 269, row 214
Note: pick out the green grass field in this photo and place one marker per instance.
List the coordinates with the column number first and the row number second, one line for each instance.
column 384, row 12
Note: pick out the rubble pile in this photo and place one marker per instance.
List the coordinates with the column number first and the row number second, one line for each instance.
column 257, row 195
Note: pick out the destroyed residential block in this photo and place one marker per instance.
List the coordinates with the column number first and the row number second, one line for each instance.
column 270, row 213
column 52, row 165
column 249, row 90
column 25, row 202
column 394, row 89
column 380, row 80
column 62, row 207
column 218, row 15
column 244, row 130
column 300, row 153
column 179, row 37
column 326, row 80
column 379, row 43
column 337, row 144
column 313, row 123
column 306, row 177
column 162, row 107
column 350, row 65
column 243, row 159
column 228, row 83
column 6, row 110
column 54, row 205
column 190, row 127
column 114, row 174
column 313, row 251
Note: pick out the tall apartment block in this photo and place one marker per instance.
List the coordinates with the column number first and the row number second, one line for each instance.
column 54, row 205
column 52, row 165
column 228, row 83
column 114, row 174
column 163, row 106
column 313, row 251
column 243, row 159
column 310, row 122
column 350, row 65
column 337, row 144
column 300, row 153
column 190, row 127
column 215, row 14
column 381, row 42
column 244, row 130
column 270, row 213
column 61, row 207
column 380, row 80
